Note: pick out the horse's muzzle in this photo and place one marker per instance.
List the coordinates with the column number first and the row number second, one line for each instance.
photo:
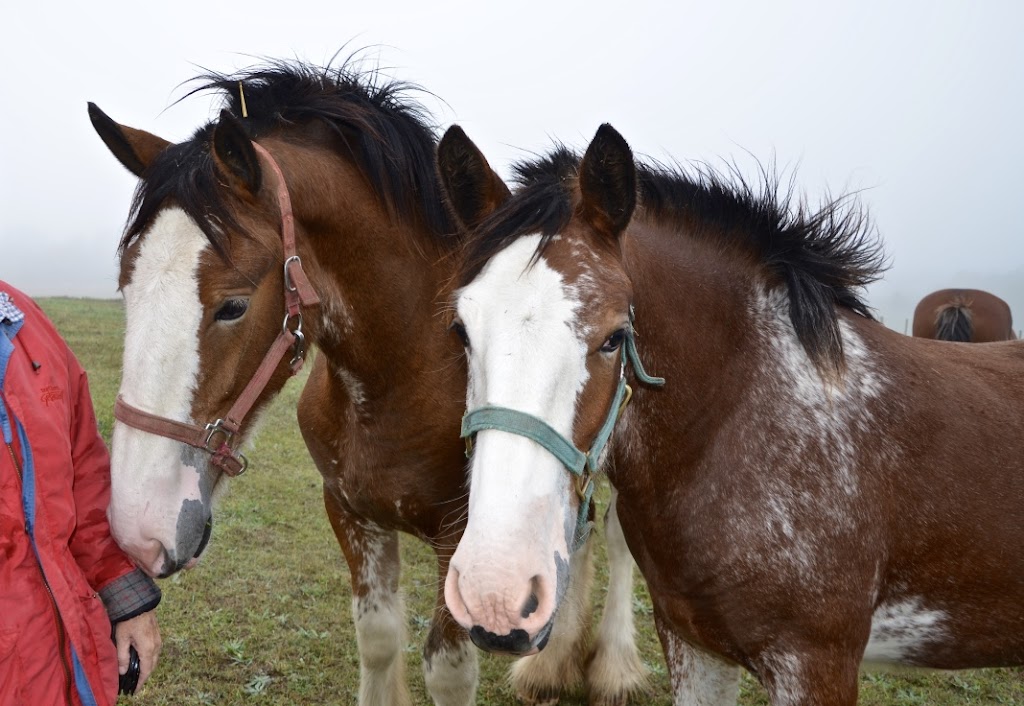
column 516, row 643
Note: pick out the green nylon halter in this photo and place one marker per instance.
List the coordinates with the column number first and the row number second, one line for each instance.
column 580, row 464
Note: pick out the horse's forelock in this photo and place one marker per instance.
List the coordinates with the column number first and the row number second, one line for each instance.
column 183, row 175
column 543, row 204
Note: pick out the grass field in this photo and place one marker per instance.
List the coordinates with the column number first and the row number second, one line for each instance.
column 265, row 617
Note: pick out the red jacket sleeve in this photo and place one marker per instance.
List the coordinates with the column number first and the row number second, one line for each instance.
column 92, row 544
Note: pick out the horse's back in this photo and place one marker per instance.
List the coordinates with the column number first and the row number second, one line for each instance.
column 952, row 489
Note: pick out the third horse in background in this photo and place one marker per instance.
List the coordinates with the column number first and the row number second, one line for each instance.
column 966, row 315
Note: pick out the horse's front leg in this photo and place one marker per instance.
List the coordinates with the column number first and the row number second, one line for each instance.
column 377, row 608
column 615, row 671
column 450, row 666
column 698, row 677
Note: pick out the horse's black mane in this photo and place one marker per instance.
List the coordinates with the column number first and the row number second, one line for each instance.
column 383, row 132
column 824, row 257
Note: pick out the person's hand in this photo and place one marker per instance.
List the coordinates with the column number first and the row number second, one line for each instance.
column 143, row 632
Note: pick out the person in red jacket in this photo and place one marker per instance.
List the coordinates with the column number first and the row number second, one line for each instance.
column 63, row 579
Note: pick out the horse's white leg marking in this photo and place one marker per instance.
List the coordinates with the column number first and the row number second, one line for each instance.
column 699, row 678
column 781, row 675
column 615, row 670
column 452, row 675
column 540, row 678
column 899, row 629
column 379, row 618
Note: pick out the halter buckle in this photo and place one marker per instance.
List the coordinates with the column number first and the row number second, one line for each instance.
column 289, row 285
column 213, row 429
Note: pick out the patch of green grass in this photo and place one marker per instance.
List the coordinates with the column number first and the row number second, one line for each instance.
column 265, row 617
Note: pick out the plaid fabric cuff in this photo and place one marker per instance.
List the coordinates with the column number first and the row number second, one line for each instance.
column 131, row 595
column 9, row 310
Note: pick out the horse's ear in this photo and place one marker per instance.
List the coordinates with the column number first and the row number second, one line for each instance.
column 472, row 188
column 608, row 182
column 135, row 149
column 234, row 154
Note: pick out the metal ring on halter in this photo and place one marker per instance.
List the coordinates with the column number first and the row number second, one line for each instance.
column 244, row 461
column 215, row 428
column 297, row 331
column 288, row 284
column 299, row 347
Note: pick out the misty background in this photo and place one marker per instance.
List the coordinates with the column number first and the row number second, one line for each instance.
column 915, row 105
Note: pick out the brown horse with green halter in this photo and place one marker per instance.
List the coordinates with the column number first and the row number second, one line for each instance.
column 808, row 490
column 208, row 287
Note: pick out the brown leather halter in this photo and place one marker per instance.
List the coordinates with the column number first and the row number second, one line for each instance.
column 215, row 437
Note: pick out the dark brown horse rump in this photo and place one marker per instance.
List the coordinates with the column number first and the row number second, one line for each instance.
column 965, row 315
column 807, row 492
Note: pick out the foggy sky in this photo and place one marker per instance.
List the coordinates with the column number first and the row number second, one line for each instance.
column 918, row 106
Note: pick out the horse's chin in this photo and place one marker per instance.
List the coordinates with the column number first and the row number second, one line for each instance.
column 207, row 531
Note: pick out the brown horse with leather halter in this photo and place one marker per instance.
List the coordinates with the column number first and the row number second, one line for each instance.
column 323, row 189
column 965, row 315
column 808, row 490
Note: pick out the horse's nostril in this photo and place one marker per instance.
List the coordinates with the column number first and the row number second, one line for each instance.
column 530, row 606
column 166, row 563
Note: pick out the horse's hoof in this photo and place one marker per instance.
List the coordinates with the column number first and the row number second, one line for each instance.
column 543, row 698
column 613, row 680
column 619, row 699
column 530, row 701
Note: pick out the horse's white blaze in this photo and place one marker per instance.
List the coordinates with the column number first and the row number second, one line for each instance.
column 900, row 629
column 152, row 476
column 525, row 354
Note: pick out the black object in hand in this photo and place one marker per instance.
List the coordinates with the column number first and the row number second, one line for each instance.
column 130, row 679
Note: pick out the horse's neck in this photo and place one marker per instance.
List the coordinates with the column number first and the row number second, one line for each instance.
column 382, row 286
column 734, row 368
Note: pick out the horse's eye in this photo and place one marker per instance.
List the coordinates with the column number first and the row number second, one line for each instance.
column 614, row 341
column 459, row 330
column 232, row 309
